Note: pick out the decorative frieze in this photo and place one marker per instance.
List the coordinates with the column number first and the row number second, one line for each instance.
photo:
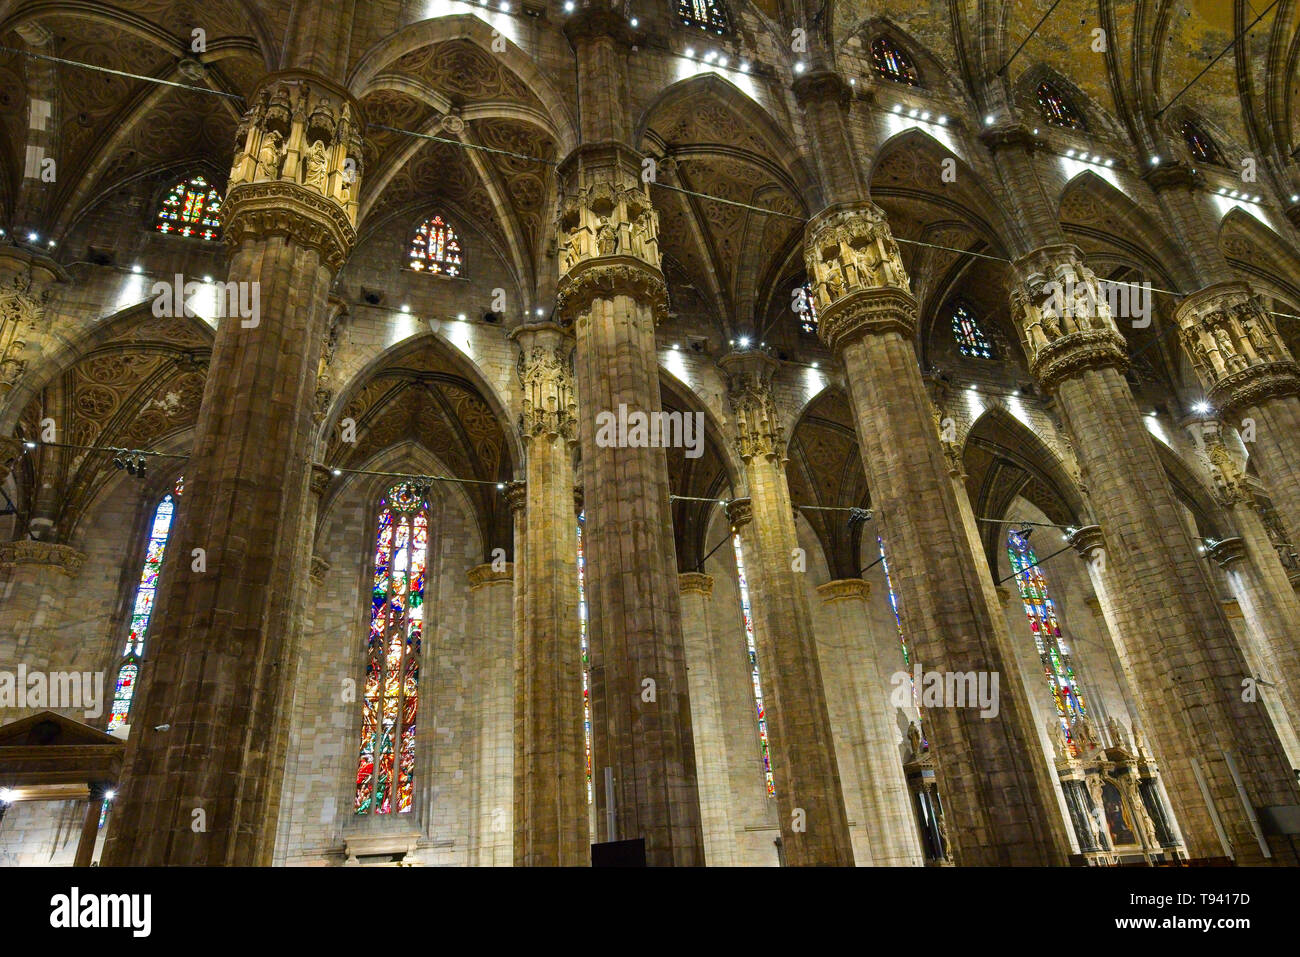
column 1063, row 316
column 1235, row 348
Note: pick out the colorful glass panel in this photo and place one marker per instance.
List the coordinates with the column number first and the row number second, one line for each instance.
column 892, row 62
column 1201, row 144
column 806, row 309
column 1057, row 108
column 1058, row 668
column 390, row 692
column 191, row 208
column 753, row 665
column 435, row 249
column 586, row 658
column 969, row 336
column 710, row 15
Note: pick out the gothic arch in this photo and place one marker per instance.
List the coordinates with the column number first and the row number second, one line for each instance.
column 1260, row 253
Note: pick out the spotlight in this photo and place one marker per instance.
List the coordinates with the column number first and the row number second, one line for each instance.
column 690, row 51
column 1295, row 198
column 568, row 6
column 1110, row 162
column 943, row 121
column 501, row 486
column 816, row 365
column 541, row 311
column 1155, row 161
column 405, row 308
column 109, row 795
column 136, row 269
column 974, row 387
column 676, row 347
column 461, row 317
column 799, row 67
column 50, row 244
column 1201, row 408
column 744, row 342
column 898, row 108
column 925, row 115
column 635, row 22
column 722, row 61
column 207, row 279
column 710, row 56
column 32, row 238
column 913, row 113
column 336, row 471
column 1070, row 153
column 505, row 6
column 6, row 795
column 29, row 445
column 744, row 66
column 853, row 81
column 988, row 120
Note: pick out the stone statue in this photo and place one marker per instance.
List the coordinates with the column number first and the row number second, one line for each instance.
column 270, row 156
column 914, row 737
column 1223, row 343
column 316, row 166
column 606, row 238
column 1117, row 736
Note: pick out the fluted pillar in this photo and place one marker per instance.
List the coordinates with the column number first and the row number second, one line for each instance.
column 998, row 797
column 1187, row 679
column 491, row 595
column 864, row 728
column 205, row 790
column 702, row 667
column 814, row 826
column 1253, row 381
column 550, row 763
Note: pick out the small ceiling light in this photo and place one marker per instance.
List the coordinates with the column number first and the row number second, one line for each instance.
column 461, row 316
column 505, row 6
column 722, row 61
column 799, row 67
column 635, row 22
column 898, row 108
column 1155, row 161
column 136, row 269
column 207, row 279
column 33, row 238
column 744, row 66
column 974, row 388
column 337, row 471
column 913, row 113
column 30, row 445
column 50, row 244
column 405, row 308
column 541, row 311
column 1294, row 199
column 1200, row 408
column 676, row 347
column 1110, row 162
column 1035, row 131
column 816, row 365
column 501, row 486
column 568, row 6
column 1257, row 199
column 943, row 121
column 690, row 51
column 744, row 342
column 109, row 795
column 710, row 56
column 1070, row 153
column 6, row 795
column 988, row 120
column 925, row 115
column 853, row 81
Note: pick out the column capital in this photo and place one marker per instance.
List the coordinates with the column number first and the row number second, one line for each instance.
column 1230, row 483
column 545, row 370
column 1087, row 540
column 696, row 583
column 481, row 576
column 517, row 495
column 1010, row 135
column 1227, row 552
column 843, row 588
column 318, row 569
column 820, row 86
column 29, row 551
column 749, row 391
column 297, row 167
column 739, row 512
column 1063, row 316
column 1234, row 345
column 320, row 479
column 857, row 276
column 1173, row 175
column 10, row 450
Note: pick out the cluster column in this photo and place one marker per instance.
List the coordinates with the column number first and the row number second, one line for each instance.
column 204, row 790
column 550, row 763
column 1184, row 661
column 814, row 826
column 994, row 779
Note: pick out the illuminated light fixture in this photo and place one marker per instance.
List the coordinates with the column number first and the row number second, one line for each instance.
column 405, row 308
column 925, row 115
column 816, row 365
column 1200, row 408
column 505, row 6
column 50, row 244
column 1070, row 153
column 1294, row 199
column 32, row 238
column 943, row 121
column 540, row 311
column 974, row 388
column 461, row 317
column 1110, row 162
column 710, row 56
column 676, row 347
column 29, row 445
column 207, row 279
column 501, row 486
column 109, row 795
column 336, row 471
column 568, row 6
column 744, row 342
column 744, row 66
column 1256, row 199
column 1035, row 131
column 988, row 120
column 690, row 51
column 799, row 67
column 136, row 269
column 6, row 795
column 1152, row 413
column 898, row 108
column 1155, row 161
column 914, row 113
column 853, row 81
column 1085, row 156
column 723, row 61
column 635, row 22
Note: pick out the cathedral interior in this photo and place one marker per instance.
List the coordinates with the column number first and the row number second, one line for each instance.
column 679, row 432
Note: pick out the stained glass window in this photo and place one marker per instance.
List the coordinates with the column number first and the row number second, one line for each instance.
column 142, row 608
column 1052, row 652
column 710, row 15
column 1057, row 108
column 190, row 208
column 892, row 62
column 435, row 249
column 753, row 665
column 390, row 696
column 1201, row 144
column 806, row 309
column 586, row 659
column 969, row 336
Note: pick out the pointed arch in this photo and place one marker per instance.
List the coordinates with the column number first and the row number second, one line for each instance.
column 1259, row 252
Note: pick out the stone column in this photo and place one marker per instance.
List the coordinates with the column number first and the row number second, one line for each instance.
column 222, row 651
column 1252, row 380
column 26, row 279
column 1187, row 679
column 492, row 615
column 36, row 579
column 999, row 800
column 864, row 728
column 814, row 826
column 702, row 667
column 550, row 763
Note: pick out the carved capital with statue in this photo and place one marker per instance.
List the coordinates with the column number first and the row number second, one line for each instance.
column 857, row 277
column 740, row 512
column 1235, row 348
column 297, row 168
column 545, row 369
column 1230, row 484
column 749, row 391
column 1063, row 315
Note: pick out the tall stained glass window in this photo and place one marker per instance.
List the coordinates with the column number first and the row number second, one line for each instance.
column 753, row 665
column 1057, row 108
column 435, row 248
column 892, row 62
column 1201, row 144
column 390, row 697
column 190, row 208
column 586, row 659
column 142, row 608
column 806, row 309
column 1055, row 657
column 969, row 336
column 710, row 15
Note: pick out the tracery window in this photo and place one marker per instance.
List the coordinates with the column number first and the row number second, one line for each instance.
column 435, row 248
column 142, row 608
column 1057, row 108
column 1201, row 144
column 586, row 658
column 968, row 335
column 753, row 665
column 190, row 208
column 893, row 63
column 1052, row 652
column 710, row 15
column 390, row 696
column 806, row 309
